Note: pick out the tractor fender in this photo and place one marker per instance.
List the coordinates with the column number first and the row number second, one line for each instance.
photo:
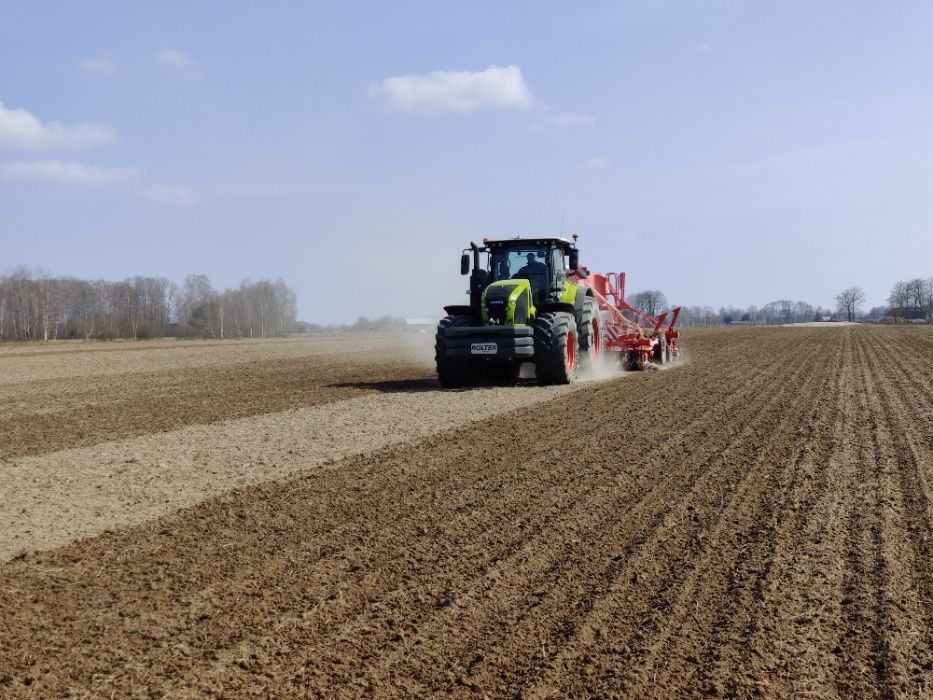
column 458, row 310
column 580, row 298
column 557, row 306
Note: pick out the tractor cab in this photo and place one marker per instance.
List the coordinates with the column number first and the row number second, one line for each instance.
column 540, row 261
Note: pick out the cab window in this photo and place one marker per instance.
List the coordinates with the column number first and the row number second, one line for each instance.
column 523, row 262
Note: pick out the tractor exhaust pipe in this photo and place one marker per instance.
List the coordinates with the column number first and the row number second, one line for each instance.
column 478, row 279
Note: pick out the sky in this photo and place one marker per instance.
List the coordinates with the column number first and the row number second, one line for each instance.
column 723, row 152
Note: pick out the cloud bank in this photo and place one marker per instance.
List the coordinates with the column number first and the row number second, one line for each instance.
column 64, row 173
column 22, row 130
column 456, row 91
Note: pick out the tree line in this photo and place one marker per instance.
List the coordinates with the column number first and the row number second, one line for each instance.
column 653, row 302
column 909, row 300
column 37, row 306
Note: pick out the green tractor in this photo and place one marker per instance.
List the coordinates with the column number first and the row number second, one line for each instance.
column 526, row 305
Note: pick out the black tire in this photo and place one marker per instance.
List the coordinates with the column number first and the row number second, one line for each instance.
column 556, row 347
column 660, row 352
column 454, row 371
column 589, row 334
column 634, row 361
column 504, row 373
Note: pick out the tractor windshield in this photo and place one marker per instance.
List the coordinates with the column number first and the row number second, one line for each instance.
column 530, row 262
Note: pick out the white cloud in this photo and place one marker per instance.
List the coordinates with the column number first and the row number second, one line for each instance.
column 456, row 91
column 169, row 195
column 596, row 164
column 100, row 65
column 557, row 121
column 64, row 173
column 178, row 61
column 22, row 130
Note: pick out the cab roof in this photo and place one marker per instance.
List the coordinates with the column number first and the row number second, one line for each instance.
column 531, row 240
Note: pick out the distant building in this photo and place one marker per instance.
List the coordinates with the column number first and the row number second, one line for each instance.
column 422, row 324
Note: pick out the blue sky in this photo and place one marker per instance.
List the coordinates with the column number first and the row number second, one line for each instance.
column 724, row 152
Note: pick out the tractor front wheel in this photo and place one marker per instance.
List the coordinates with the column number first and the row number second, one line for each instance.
column 556, row 347
column 454, row 371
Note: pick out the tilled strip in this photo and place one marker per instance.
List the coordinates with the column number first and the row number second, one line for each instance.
column 56, row 498
column 49, row 415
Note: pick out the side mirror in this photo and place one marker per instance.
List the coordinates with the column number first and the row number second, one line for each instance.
column 574, row 258
column 465, row 264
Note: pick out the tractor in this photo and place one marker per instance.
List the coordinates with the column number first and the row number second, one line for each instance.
column 523, row 308
column 531, row 301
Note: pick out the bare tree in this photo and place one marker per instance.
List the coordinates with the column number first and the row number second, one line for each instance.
column 899, row 298
column 651, row 301
column 848, row 302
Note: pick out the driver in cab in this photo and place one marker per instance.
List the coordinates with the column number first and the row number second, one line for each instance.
column 532, row 269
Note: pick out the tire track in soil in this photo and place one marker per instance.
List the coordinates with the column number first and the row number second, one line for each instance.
column 714, row 632
column 917, row 400
column 797, row 588
column 907, row 594
column 866, row 656
column 670, row 556
column 807, row 657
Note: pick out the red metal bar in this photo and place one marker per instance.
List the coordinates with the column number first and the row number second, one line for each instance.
column 657, row 326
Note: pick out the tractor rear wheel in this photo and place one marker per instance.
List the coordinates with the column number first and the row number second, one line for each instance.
column 454, row 371
column 556, row 347
column 590, row 335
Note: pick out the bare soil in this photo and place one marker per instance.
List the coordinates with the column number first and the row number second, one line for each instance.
column 754, row 522
column 186, row 383
column 60, row 496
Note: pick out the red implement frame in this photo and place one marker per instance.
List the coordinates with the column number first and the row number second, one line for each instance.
column 626, row 330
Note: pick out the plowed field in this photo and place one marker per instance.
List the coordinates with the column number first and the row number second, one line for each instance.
column 757, row 521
